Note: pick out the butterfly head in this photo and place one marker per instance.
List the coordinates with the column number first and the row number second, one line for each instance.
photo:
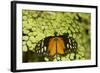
column 66, row 34
column 55, row 33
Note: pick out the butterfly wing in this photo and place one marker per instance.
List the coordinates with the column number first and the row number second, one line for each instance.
column 70, row 44
column 56, row 46
column 52, row 45
column 60, row 46
column 41, row 47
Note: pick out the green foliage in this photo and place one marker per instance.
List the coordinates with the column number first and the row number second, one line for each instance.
column 40, row 24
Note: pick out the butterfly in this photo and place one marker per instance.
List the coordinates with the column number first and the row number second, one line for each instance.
column 56, row 45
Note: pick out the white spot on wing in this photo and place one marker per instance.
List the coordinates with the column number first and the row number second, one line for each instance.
column 45, row 48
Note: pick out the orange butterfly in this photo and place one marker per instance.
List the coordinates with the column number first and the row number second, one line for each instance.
column 56, row 45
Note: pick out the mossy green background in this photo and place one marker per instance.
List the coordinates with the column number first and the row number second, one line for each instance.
column 37, row 25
